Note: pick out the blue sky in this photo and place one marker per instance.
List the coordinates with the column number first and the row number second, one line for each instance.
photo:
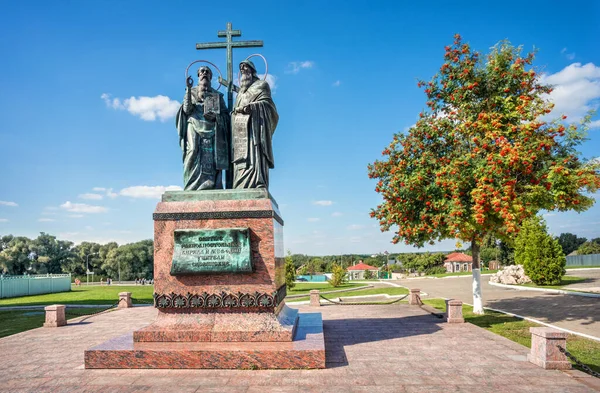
column 87, row 143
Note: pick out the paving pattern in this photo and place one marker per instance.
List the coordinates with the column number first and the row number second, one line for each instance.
column 396, row 348
column 576, row 313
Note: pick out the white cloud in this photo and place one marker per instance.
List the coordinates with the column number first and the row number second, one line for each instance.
column 82, row 208
column 153, row 192
column 7, row 203
column 355, row 239
column 569, row 56
column 294, row 67
column 336, row 83
column 576, row 90
column 336, row 214
column 46, row 220
column 3, row 219
column 49, row 213
column 271, row 80
column 313, row 219
column 99, row 189
column 89, row 228
column 75, row 215
column 323, row 203
column 355, row 227
column 147, row 108
column 111, row 194
column 91, row 196
column 595, row 124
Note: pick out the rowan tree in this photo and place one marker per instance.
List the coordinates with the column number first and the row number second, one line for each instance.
column 482, row 158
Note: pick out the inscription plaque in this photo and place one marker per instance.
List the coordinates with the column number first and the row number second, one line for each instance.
column 209, row 251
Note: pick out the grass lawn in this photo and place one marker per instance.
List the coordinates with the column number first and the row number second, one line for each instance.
column 306, row 287
column 566, row 280
column 517, row 330
column 17, row 321
column 361, row 292
column 84, row 295
column 485, row 271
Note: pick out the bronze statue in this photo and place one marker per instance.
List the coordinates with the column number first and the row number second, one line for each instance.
column 254, row 119
column 203, row 125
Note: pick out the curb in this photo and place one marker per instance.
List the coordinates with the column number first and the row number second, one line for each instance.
column 560, row 291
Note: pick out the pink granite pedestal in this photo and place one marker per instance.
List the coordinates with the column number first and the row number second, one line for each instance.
column 220, row 320
column 544, row 348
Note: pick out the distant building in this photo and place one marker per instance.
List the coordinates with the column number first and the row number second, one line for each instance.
column 458, row 262
column 357, row 272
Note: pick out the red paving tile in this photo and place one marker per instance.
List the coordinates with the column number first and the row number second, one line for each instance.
column 396, row 348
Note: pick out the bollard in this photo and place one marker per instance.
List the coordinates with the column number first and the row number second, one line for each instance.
column 454, row 308
column 55, row 316
column 315, row 300
column 414, row 299
column 125, row 300
column 544, row 348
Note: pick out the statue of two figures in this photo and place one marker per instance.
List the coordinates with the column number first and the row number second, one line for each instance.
column 213, row 140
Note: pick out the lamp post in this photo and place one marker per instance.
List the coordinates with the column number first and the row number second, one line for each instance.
column 87, row 267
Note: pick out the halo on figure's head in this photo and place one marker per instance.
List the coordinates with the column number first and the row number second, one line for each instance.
column 204, row 61
column 250, row 64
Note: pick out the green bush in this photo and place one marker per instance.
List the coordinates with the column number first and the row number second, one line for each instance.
column 338, row 276
column 541, row 255
column 290, row 271
column 436, row 270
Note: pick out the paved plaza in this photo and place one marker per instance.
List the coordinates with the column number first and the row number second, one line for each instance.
column 392, row 348
column 576, row 313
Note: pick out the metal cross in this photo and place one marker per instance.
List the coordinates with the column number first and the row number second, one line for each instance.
column 229, row 45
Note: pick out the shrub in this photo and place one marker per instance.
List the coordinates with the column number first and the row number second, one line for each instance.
column 540, row 254
column 338, row 276
column 290, row 271
column 436, row 270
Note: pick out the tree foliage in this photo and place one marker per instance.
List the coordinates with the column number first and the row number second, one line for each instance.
column 540, row 254
column 570, row 242
column 290, row 271
column 481, row 159
column 338, row 276
column 47, row 254
column 587, row 248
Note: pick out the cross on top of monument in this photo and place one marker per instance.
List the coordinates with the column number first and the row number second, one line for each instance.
column 229, row 44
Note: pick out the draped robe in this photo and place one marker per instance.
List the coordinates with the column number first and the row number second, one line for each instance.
column 252, row 154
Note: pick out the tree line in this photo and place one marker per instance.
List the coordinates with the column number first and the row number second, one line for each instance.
column 47, row 254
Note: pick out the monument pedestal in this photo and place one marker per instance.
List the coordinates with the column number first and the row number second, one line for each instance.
column 219, row 283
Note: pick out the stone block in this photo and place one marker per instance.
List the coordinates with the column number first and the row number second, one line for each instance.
column 55, row 316
column 455, row 314
column 544, row 348
column 414, row 299
column 125, row 300
column 315, row 298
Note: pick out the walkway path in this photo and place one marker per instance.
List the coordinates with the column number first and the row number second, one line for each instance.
column 576, row 313
column 396, row 349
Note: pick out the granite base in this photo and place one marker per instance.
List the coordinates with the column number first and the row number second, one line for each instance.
column 307, row 350
column 220, row 326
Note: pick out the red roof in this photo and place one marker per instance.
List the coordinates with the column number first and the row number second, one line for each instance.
column 458, row 257
column 362, row 266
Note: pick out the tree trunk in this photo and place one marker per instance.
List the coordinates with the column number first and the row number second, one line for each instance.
column 477, row 301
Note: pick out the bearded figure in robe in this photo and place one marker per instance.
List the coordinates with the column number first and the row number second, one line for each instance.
column 254, row 119
column 203, row 134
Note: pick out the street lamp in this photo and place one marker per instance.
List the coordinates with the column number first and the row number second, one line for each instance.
column 87, row 267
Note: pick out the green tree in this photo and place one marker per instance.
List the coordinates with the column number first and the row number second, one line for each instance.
column 131, row 261
column 338, row 276
column 17, row 255
column 540, row 254
column 290, row 271
column 488, row 254
column 588, row 248
column 570, row 242
column 51, row 254
column 368, row 275
column 482, row 158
